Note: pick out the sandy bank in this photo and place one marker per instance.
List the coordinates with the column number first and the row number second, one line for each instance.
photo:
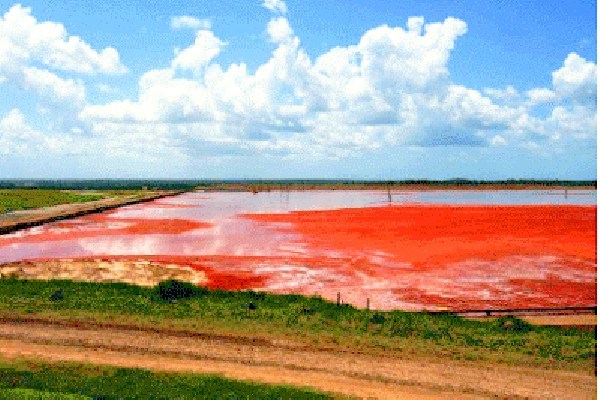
column 138, row 272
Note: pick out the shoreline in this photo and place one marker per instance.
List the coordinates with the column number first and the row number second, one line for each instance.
column 416, row 187
column 149, row 271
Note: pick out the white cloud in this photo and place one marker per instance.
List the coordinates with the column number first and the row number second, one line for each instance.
column 189, row 22
column 279, row 29
column 468, row 106
column 391, row 88
column 508, row 93
column 35, row 56
column 162, row 99
column 18, row 138
column 206, row 47
column 415, row 24
column 406, row 59
column 576, row 121
column 576, row 79
column 540, row 96
column 53, row 88
column 24, row 40
column 277, row 6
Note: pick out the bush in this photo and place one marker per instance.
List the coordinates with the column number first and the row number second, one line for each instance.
column 256, row 295
column 57, row 295
column 378, row 319
column 513, row 324
column 173, row 290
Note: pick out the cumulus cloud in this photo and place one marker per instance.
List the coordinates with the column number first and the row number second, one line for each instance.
column 390, row 88
column 206, row 47
column 279, row 29
column 508, row 93
column 52, row 87
column 277, row 6
column 17, row 137
column 541, row 96
column 576, row 121
column 34, row 56
column 189, row 22
column 23, row 40
column 576, row 79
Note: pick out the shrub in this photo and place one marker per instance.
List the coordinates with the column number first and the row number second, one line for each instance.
column 378, row 319
column 173, row 290
column 57, row 295
column 256, row 295
column 513, row 324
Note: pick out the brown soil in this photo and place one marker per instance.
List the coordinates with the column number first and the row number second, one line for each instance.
column 278, row 362
column 562, row 320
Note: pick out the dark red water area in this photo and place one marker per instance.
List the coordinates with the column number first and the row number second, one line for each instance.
column 463, row 251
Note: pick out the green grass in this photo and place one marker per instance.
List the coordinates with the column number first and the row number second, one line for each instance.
column 306, row 319
column 48, row 381
column 22, row 199
column 32, row 394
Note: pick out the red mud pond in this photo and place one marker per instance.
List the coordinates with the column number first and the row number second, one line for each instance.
column 423, row 250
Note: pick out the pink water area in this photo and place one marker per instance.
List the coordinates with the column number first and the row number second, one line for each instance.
column 231, row 238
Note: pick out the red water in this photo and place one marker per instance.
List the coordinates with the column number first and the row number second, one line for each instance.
column 409, row 255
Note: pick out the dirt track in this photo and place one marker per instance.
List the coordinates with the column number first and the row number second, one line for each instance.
column 24, row 219
column 279, row 362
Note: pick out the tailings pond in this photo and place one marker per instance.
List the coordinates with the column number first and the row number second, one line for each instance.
column 421, row 250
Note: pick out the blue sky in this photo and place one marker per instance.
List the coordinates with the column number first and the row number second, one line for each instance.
column 274, row 89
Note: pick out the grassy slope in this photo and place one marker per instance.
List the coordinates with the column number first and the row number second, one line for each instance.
column 33, row 394
column 306, row 319
column 24, row 199
column 21, row 199
column 35, row 380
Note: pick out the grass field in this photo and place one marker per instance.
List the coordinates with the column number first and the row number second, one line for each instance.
column 306, row 319
column 23, row 199
column 21, row 380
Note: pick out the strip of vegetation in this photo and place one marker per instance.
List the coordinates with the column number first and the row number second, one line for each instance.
column 311, row 320
column 282, row 184
column 23, row 199
column 32, row 394
column 40, row 380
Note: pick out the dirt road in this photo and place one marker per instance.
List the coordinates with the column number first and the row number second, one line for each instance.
column 286, row 362
column 24, row 219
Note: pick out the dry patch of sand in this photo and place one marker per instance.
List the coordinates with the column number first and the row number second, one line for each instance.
column 138, row 272
column 562, row 320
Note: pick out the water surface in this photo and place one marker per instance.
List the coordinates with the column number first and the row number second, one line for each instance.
column 209, row 230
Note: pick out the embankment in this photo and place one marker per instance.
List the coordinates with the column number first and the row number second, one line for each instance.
column 19, row 220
